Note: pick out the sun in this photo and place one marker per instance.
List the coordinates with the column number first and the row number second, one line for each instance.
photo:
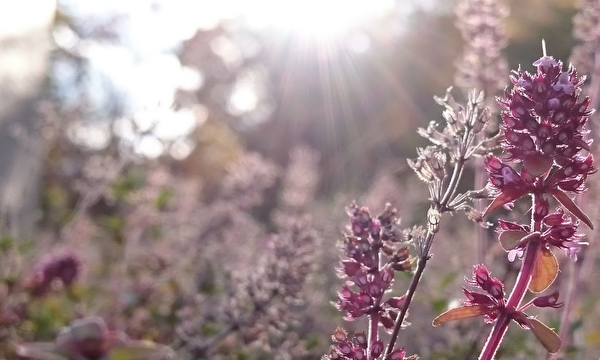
column 310, row 18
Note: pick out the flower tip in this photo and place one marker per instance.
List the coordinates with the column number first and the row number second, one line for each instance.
column 544, row 47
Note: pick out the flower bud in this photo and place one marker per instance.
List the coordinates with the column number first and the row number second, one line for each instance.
column 339, row 335
column 345, row 347
column 346, row 293
column 548, row 301
column 401, row 254
column 434, row 217
column 361, row 278
column 563, row 232
column 541, row 209
column 387, row 275
column 358, row 353
column 375, row 229
column 496, row 289
column 333, row 353
column 360, row 338
column 350, row 268
column 405, row 265
column 481, row 276
column 375, row 289
column 376, row 348
column 386, row 321
column 554, row 219
column 480, row 121
column 397, row 302
column 364, row 300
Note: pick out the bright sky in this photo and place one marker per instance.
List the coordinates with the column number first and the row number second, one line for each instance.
column 146, row 73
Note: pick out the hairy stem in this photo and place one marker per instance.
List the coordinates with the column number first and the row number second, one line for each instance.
column 424, row 256
column 373, row 323
column 374, row 316
column 493, row 342
column 453, row 184
column 409, row 296
column 481, row 235
column 516, row 296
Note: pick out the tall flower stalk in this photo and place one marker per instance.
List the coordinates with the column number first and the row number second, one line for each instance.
column 376, row 248
column 586, row 55
column 544, row 123
column 482, row 67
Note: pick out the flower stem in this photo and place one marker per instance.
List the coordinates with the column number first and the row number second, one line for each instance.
column 373, row 322
column 374, row 316
column 516, row 296
column 493, row 342
column 524, row 276
column 424, row 256
column 409, row 296
column 481, row 234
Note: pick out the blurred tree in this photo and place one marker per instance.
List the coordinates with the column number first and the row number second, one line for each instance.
column 24, row 59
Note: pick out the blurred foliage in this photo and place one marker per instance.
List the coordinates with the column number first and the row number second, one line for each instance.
column 164, row 245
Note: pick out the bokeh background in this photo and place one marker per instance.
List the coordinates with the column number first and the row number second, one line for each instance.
column 166, row 149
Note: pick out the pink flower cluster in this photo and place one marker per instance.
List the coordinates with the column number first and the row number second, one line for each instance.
column 544, row 127
column 375, row 249
column 544, row 124
column 493, row 303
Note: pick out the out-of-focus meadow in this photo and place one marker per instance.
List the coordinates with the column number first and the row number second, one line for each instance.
column 181, row 169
